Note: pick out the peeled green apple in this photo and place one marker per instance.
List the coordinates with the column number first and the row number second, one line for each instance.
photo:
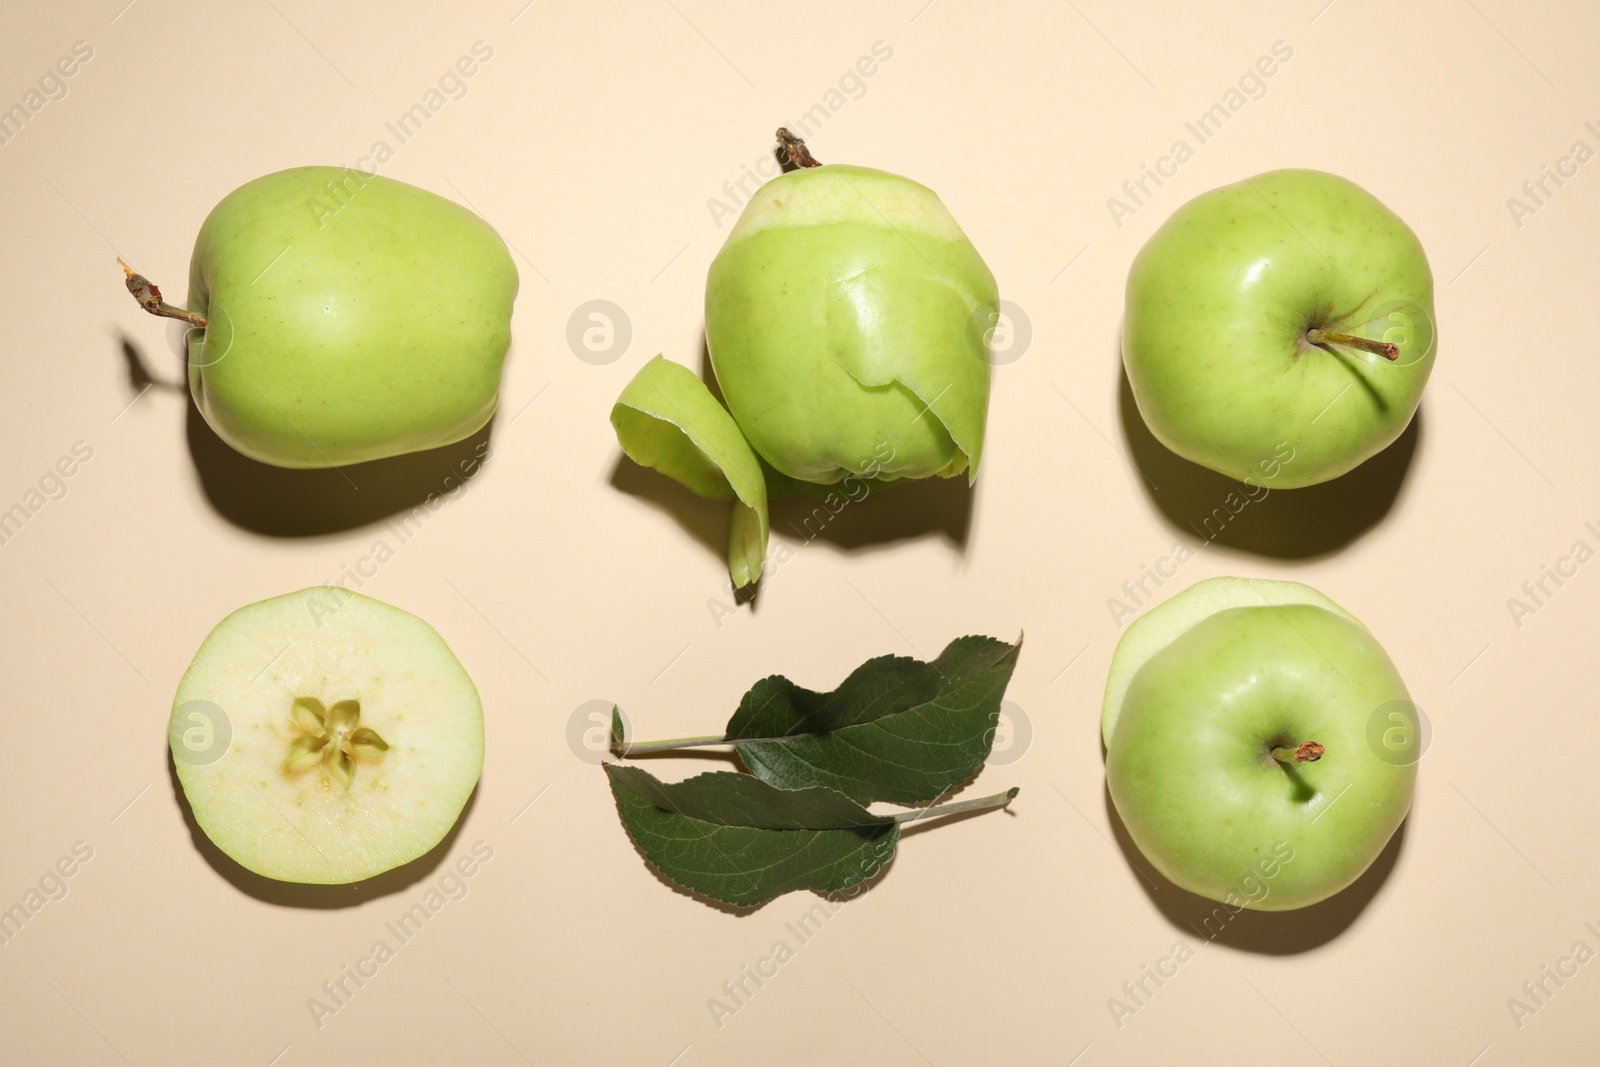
column 345, row 317
column 323, row 736
column 1290, row 314
column 847, row 320
column 839, row 319
column 1236, row 723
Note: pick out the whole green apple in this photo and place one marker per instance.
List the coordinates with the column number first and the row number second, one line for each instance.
column 1237, row 724
column 1287, row 315
column 848, row 321
column 346, row 317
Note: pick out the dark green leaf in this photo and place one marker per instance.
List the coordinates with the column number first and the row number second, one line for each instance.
column 741, row 841
column 897, row 729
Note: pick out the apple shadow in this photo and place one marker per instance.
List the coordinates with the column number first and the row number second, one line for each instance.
column 1268, row 933
column 279, row 502
column 308, row 895
column 849, row 519
column 1306, row 523
column 139, row 376
column 884, row 515
column 706, row 521
column 940, row 506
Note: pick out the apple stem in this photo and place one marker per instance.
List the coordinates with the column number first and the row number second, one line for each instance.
column 939, row 811
column 1307, row 752
column 149, row 296
column 1390, row 352
column 792, row 151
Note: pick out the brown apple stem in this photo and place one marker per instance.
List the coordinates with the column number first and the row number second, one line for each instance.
column 149, row 296
column 1307, row 752
column 792, row 151
column 1378, row 348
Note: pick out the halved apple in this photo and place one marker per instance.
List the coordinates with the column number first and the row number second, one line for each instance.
column 324, row 736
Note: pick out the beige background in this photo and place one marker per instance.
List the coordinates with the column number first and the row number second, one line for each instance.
column 593, row 139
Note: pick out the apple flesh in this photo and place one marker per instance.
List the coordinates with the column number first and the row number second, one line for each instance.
column 323, row 736
column 1208, row 699
column 845, row 321
column 349, row 317
column 1232, row 307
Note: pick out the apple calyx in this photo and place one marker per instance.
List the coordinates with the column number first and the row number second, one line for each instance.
column 1388, row 351
column 792, row 151
column 149, row 296
column 331, row 738
column 1306, row 752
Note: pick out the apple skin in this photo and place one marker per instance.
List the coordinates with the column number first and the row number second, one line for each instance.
column 844, row 320
column 381, row 329
column 1189, row 765
column 1219, row 301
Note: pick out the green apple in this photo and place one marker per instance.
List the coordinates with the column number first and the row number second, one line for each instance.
column 347, row 317
column 839, row 320
column 1238, row 723
column 323, row 736
column 1280, row 330
column 848, row 322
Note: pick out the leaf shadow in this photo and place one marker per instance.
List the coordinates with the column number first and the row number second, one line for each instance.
column 1267, row 933
column 311, row 895
column 1318, row 520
